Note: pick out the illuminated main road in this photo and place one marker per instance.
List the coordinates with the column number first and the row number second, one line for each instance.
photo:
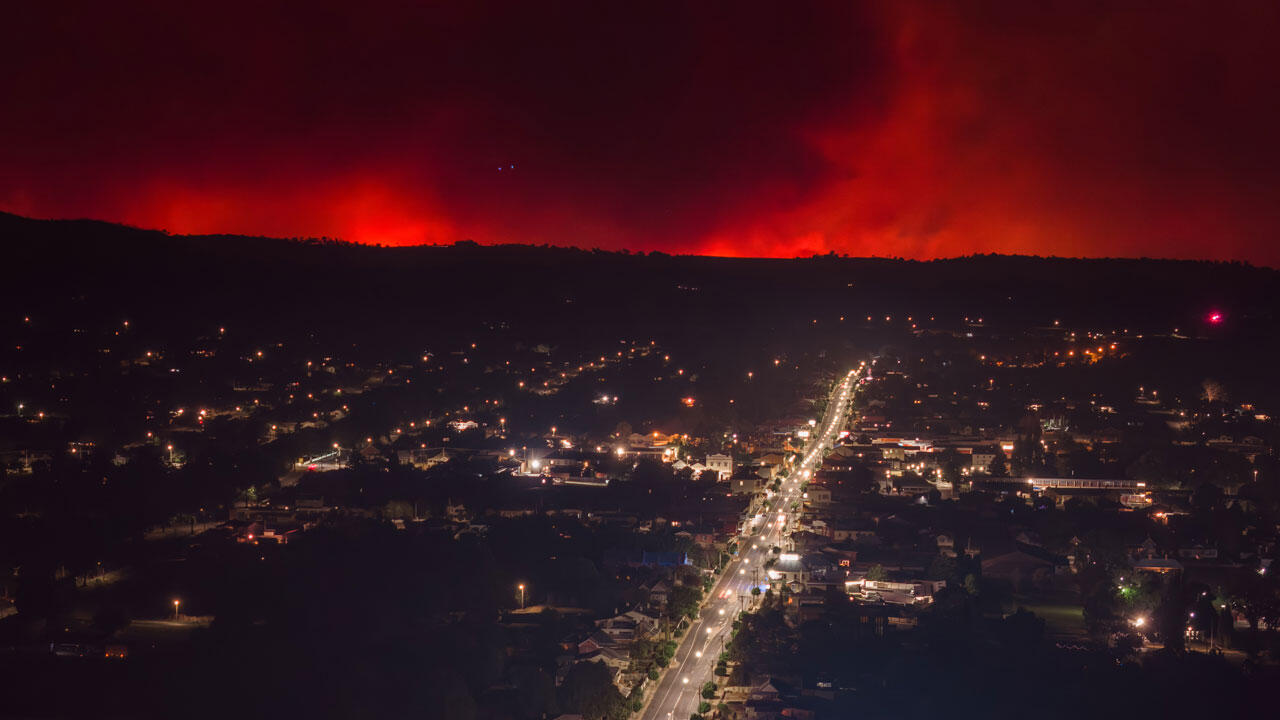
column 680, row 690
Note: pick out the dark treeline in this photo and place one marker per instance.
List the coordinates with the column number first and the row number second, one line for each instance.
column 96, row 271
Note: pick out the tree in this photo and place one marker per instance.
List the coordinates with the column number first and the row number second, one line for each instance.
column 397, row 509
column 941, row 568
column 643, row 651
column 1171, row 623
column 684, row 602
column 877, row 573
column 1022, row 631
column 588, row 690
column 535, row 691
column 665, row 652
column 1206, row 497
column 447, row 696
column 37, row 594
column 998, row 467
column 110, row 620
column 1128, row 644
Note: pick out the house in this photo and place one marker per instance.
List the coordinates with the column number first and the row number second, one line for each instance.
column 702, row 536
column 768, row 473
column 771, row 699
column 1157, row 565
column 946, row 545
column 773, row 458
column 768, row 689
column 803, row 542
column 792, row 568
column 455, row 512
column 893, row 452
column 567, row 459
column 1198, row 552
column 615, row 660
column 788, row 569
column 637, row 558
column 817, row 496
column 980, row 461
column 421, row 458
column 1026, row 566
column 892, row 592
column 628, row 627
column 745, row 484
column 857, row 529
column 664, row 559
column 722, row 464
column 659, row 593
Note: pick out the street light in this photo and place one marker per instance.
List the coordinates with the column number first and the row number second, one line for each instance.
column 176, row 602
column 520, row 587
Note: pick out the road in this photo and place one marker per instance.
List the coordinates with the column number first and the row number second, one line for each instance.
column 680, row 689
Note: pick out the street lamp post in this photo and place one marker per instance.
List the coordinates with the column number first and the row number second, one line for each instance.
column 176, row 602
column 520, row 587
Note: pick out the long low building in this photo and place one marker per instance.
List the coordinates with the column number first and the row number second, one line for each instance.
column 1085, row 484
column 1130, row 493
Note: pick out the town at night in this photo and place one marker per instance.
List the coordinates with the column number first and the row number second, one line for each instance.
column 598, row 361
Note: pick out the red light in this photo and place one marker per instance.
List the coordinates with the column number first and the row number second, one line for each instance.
column 1215, row 317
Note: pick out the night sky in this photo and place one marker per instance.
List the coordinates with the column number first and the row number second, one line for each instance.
column 903, row 128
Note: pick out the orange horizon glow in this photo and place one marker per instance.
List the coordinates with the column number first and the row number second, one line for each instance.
column 890, row 129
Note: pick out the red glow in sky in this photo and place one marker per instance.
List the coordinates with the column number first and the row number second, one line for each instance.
column 907, row 128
